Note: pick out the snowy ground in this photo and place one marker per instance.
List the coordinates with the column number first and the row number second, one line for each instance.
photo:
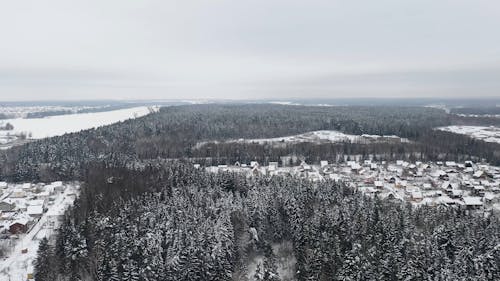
column 38, row 128
column 487, row 134
column 327, row 136
column 323, row 136
column 16, row 265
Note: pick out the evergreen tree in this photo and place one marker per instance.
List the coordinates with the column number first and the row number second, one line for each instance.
column 44, row 264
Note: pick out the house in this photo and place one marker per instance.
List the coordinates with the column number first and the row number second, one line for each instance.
column 426, row 167
column 379, row 184
column 427, row 186
column 18, row 193
column 35, row 211
column 455, row 193
column 495, row 189
column 7, row 207
column 305, row 167
column 314, row 176
column 222, row 168
column 369, row 180
column 43, row 195
column 417, row 195
column 401, row 183
column 444, row 176
column 334, row 177
column 237, row 164
column 449, row 186
column 478, row 174
column 38, row 202
column 19, row 226
column 58, row 186
column 450, row 164
column 254, row 163
column 3, row 184
column 370, row 190
column 472, row 203
column 256, row 171
column 468, row 164
column 373, row 166
column 466, row 183
column 273, row 166
column 478, row 190
column 323, row 163
column 447, row 200
column 490, row 198
column 196, row 166
column 388, row 196
column 355, row 166
column 392, row 180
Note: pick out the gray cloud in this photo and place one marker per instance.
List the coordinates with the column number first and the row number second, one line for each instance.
column 58, row 49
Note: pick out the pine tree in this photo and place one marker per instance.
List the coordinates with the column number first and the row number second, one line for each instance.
column 44, row 270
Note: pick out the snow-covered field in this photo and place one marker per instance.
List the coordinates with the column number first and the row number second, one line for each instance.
column 327, row 136
column 487, row 134
column 38, row 128
column 323, row 136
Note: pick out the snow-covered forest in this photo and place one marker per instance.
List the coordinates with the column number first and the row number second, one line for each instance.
column 174, row 222
column 145, row 212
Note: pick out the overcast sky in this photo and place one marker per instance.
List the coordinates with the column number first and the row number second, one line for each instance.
column 124, row 49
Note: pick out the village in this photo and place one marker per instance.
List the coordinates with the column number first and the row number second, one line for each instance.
column 29, row 212
column 469, row 185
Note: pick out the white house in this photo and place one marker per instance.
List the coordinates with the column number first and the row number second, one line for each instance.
column 35, row 211
column 473, row 202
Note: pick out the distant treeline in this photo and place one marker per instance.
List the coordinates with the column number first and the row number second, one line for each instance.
column 42, row 114
column 493, row 110
column 174, row 132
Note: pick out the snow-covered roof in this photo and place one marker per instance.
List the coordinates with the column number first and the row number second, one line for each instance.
column 417, row 194
column 472, row 201
column 446, row 200
column 478, row 174
column 22, row 221
column 36, row 202
column 35, row 210
column 450, row 163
